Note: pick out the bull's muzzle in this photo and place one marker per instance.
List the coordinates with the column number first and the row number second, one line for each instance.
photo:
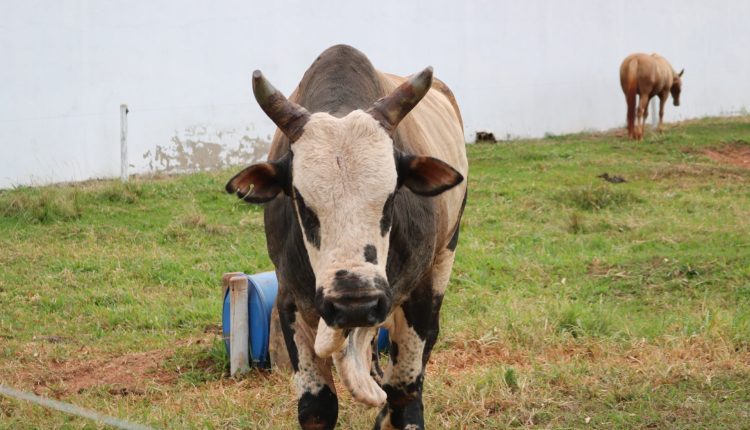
column 354, row 301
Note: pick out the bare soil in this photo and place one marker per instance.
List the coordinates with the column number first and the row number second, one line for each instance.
column 120, row 375
column 736, row 153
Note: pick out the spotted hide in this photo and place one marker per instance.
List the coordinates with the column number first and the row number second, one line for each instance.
column 364, row 191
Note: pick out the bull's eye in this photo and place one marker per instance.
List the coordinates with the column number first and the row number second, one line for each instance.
column 309, row 220
column 387, row 218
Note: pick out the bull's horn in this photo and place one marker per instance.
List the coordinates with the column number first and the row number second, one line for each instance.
column 681, row 72
column 288, row 116
column 391, row 109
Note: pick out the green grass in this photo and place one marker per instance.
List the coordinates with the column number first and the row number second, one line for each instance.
column 574, row 302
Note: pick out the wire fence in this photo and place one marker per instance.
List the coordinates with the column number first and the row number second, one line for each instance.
column 71, row 409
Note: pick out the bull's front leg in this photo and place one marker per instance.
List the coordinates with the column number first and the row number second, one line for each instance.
column 413, row 334
column 317, row 404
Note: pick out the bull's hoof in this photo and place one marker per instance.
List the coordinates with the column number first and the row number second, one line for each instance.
column 318, row 411
column 403, row 411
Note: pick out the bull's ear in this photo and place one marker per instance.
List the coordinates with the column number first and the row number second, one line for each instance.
column 426, row 176
column 261, row 182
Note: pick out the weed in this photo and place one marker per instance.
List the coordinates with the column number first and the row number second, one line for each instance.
column 40, row 206
column 575, row 223
column 118, row 192
column 578, row 321
column 511, row 379
column 595, row 198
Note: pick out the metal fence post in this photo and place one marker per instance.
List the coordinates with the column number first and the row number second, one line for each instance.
column 124, row 142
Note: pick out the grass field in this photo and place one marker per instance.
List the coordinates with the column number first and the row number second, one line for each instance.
column 574, row 302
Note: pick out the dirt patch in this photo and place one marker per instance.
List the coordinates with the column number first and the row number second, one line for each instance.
column 687, row 171
column 128, row 374
column 736, row 153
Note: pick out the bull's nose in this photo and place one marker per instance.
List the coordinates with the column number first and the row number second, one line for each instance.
column 349, row 311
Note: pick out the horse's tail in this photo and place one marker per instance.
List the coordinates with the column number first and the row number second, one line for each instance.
column 629, row 83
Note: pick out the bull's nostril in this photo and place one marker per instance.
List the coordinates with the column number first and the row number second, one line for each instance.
column 325, row 307
column 352, row 311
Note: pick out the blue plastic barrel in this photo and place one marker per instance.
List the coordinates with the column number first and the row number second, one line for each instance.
column 261, row 291
column 383, row 341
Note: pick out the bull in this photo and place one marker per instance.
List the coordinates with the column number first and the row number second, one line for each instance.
column 364, row 189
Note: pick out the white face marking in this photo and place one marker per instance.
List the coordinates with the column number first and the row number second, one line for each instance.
column 344, row 170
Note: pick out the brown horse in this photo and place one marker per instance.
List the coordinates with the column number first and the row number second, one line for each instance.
column 647, row 76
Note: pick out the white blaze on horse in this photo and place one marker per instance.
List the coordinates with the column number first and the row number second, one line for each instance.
column 364, row 190
column 646, row 76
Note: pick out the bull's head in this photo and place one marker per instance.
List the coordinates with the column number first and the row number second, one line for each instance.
column 342, row 175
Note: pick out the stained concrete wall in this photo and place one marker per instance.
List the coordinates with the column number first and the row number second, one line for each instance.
column 517, row 68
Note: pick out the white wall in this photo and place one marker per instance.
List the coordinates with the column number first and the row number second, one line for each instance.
column 519, row 68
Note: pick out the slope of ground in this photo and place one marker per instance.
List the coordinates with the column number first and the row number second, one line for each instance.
column 574, row 301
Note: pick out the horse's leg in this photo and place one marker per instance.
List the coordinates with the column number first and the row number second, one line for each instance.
column 662, row 102
column 642, row 106
column 638, row 115
column 630, row 99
